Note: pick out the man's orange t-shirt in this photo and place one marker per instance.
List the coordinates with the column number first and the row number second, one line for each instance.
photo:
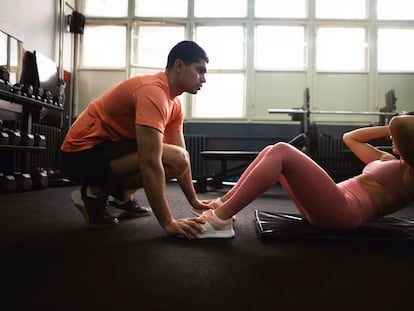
column 143, row 100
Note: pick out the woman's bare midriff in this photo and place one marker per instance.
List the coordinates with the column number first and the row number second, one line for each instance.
column 383, row 201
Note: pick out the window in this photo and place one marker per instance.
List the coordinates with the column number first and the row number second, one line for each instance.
column 152, row 43
column 280, row 8
column 223, row 94
column 220, row 8
column 224, row 46
column 248, row 41
column 161, row 8
column 103, row 46
column 395, row 9
column 341, row 49
column 106, row 8
column 3, row 49
column 341, row 9
column 10, row 55
column 221, row 97
column 280, row 47
column 396, row 49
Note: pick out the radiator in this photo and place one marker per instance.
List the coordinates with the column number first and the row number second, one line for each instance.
column 49, row 158
column 195, row 143
column 336, row 159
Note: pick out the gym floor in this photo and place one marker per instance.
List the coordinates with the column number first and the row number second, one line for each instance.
column 51, row 261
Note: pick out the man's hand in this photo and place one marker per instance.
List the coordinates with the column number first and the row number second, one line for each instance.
column 201, row 204
column 187, row 227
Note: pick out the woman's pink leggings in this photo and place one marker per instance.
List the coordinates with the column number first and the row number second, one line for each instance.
column 319, row 199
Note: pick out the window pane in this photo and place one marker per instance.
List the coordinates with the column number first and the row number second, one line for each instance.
column 14, row 52
column 224, row 45
column 396, row 49
column 157, row 8
column 104, row 46
column 280, row 47
column 3, row 48
column 151, row 44
column 395, row 9
column 280, row 8
column 347, row 9
column 222, row 96
column 107, row 8
column 220, row 8
column 341, row 49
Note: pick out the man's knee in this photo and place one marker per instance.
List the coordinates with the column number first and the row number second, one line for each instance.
column 176, row 161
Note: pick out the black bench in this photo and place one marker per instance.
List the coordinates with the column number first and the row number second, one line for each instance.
column 243, row 159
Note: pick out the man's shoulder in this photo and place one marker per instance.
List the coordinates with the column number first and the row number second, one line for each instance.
column 154, row 79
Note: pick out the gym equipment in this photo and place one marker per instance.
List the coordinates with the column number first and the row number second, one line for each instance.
column 24, row 181
column 304, row 112
column 7, row 183
column 246, row 157
column 14, row 136
column 39, row 178
column 282, row 226
column 27, row 139
column 4, row 138
column 39, row 140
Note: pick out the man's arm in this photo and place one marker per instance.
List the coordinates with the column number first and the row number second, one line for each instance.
column 150, row 146
column 186, row 179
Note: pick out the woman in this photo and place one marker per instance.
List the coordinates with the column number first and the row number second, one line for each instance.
column 385, row 185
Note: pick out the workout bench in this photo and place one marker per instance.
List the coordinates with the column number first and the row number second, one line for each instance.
column 245, row 157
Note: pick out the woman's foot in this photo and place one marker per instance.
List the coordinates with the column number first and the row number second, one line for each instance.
column 212, row 205
column 215, row 227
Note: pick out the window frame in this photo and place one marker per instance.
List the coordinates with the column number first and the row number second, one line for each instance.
column 371, row 25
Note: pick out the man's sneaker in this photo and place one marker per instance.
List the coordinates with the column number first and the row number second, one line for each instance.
column 131, row 209
column 215, row 227
column 93, row 210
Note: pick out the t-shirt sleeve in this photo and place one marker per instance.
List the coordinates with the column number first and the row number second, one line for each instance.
column 151, row 107
column 177, row 117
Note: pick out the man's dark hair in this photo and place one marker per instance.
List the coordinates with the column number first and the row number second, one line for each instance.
column 188, row 51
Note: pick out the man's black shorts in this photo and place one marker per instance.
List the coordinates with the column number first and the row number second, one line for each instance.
column 91, row 166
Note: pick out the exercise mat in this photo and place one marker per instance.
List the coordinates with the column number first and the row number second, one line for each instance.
column 292, row 226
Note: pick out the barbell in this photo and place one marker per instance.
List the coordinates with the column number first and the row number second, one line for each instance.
column 333, row 112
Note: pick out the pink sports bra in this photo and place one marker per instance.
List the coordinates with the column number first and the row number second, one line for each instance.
column 390, row 175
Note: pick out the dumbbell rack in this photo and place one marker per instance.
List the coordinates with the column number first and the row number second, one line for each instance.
column 25, row 106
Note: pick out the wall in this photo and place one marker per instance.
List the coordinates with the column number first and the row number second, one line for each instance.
column 35, row 21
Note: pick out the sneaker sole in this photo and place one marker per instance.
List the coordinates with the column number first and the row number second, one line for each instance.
column 126, row 214
column 76, row 197
column 210, row 233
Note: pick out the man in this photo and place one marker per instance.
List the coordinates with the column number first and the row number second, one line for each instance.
column 132, row 137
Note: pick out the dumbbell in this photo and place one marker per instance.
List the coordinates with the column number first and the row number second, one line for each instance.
column 38, row 93
column 27, row 139
column 4, row 138
column 14, row 136
column 39, row 140
column 39, row 178
column 47, row 96
column 17, row 89
column 24, row 181
column 27, row 90
column 7, row 183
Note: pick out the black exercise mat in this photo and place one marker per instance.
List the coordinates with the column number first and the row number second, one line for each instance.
column 285, row 225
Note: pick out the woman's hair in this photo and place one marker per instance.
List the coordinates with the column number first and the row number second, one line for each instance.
column 411, row 113
column 188, row 51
